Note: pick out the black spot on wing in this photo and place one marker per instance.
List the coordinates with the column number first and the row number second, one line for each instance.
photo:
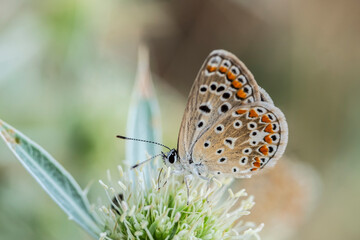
column 205, row 109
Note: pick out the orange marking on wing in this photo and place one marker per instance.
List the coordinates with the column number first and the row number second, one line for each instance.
column 264, row 150
column 253, row 113
column 241, row 94
column 211, row 68
column 223, row 69
column 236, row 84
column 269, row 128
column 256, row 164
column 253, row 169
column 231, row 76
column 241, row 111
column 265, row 119
column 268, row 139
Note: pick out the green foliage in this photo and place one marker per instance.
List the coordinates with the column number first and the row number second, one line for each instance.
column 52, row 177
column 144, row 119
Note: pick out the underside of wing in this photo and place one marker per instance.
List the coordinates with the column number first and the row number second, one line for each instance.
column 223, row 83
column 243, row 141
column 265, row 97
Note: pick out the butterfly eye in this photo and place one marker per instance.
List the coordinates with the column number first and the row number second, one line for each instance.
column 172, row 158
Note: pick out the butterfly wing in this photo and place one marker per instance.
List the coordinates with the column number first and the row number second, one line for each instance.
column 222, row 83
column 265, row 97
column 243, row 141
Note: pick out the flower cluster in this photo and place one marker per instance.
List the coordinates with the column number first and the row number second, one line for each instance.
column 161, row 211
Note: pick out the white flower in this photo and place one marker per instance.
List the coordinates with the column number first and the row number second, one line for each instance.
column 138, row 212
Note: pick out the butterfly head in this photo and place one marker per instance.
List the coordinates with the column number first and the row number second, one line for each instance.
column 171, row 159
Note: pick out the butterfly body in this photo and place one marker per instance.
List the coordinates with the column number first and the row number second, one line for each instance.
column 231, row 126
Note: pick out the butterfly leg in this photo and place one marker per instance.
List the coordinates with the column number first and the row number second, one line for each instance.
column 187, row 178
column 177, row 172
column 158, row 181
column 197, row 171
column 166, row 176
column 208, row 185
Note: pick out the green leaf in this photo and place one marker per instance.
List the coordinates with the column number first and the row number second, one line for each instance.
column 144, row 119
column 53, row 178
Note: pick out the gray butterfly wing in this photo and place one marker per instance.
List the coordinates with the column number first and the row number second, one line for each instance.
column 222, row 83
column 243, row 141
column 265, row 97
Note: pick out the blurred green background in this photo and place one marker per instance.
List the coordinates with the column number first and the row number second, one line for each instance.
column 67, row 69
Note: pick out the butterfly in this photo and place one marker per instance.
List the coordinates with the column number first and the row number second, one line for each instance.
column 230, row 127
